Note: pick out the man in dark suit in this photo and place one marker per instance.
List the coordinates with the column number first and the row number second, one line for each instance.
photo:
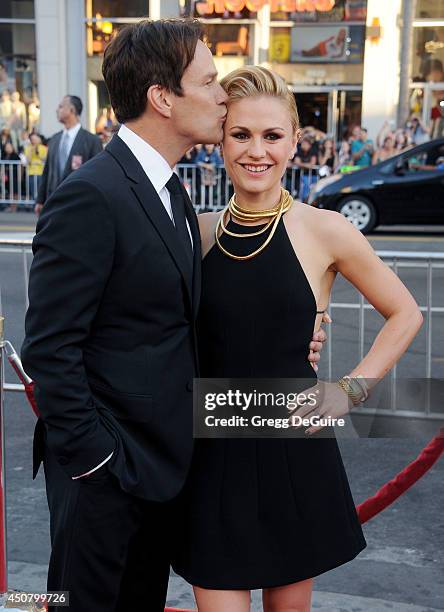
column 67, row 150
column 110, row 337
column 110, row 331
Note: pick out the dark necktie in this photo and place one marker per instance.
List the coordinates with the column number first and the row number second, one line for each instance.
column 178, row 207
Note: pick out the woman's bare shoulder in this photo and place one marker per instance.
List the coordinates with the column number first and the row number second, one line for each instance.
column 207, row 222
column 314, row 218
column 207, row 226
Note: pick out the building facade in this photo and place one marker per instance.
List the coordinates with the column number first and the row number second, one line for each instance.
column 342, row 58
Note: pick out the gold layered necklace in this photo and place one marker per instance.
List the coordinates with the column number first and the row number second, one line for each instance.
column 246, row 214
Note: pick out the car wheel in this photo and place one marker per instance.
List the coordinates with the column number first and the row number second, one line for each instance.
column 359, row 211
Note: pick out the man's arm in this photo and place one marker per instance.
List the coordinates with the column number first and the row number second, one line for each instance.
column 43, row 189
column 357, row 154
column 73, row 255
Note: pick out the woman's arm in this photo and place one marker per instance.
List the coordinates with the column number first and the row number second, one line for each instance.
column 352, row 256
column 356, row 260
column 385, row 129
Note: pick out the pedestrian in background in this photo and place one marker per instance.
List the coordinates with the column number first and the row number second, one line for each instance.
column 5, row 136
column 402, row 140
column 306, row 161
column 344, row 156
column 12, row 175
column 208, row 159
column 387, row 150
column 67, row 150
column 327, row 157
column 35, row 153
column 362, row 149
column 418, row 132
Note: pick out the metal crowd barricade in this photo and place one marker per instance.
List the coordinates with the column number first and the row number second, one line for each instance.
column 213, row 197
column 17, row 186
column 428, row 262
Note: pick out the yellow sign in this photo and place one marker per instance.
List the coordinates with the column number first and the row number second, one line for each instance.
column 280, row 45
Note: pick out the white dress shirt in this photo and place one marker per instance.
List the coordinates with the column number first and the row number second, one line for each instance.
column 159, row 172
column 155, row 166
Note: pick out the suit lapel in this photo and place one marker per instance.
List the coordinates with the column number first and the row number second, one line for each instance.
column 53, row 153
column 76, row 149
column 153, row 208
column 55, row 141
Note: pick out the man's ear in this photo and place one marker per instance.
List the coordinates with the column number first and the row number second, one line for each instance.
column 159, row 99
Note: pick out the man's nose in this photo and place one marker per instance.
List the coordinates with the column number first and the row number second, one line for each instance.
column 223, row 96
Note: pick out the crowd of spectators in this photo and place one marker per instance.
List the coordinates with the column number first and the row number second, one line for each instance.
column 20, row 141
column 318, row 155
column 29, row 148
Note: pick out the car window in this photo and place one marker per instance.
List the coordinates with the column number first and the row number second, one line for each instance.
column 424, row 159
column 415, row 162
column 389, row 167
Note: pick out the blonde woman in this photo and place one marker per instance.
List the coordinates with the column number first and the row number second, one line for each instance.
column 275, row 513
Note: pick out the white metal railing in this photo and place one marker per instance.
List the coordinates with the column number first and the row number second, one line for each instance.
column 17, row 186
column 211, row 191
column 428, row 262
column 208, row 190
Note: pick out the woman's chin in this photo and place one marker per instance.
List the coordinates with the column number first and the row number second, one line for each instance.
column 254, row 185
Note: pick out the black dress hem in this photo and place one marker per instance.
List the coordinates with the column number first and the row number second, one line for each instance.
column 254, row 585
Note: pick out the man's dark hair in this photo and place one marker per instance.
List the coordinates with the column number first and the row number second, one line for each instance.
column 145, row 54
column 76, row 103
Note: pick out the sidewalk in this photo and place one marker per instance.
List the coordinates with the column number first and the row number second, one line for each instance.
column 31, row 577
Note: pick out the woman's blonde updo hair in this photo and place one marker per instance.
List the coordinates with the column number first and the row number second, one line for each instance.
column 254, row 81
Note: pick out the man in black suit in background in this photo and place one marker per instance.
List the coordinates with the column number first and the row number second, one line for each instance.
column 110, row 331
column 67, row 150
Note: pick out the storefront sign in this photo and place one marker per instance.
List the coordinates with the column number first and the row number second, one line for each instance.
column 220, row 6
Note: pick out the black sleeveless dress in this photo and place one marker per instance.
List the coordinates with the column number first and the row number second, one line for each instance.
column 259, row 513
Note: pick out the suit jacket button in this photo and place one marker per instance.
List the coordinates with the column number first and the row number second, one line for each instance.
column 90, row 403
column 63, row 460
column 190, row 385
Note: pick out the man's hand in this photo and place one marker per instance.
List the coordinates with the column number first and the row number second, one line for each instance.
column 317, row 343
column 38, row 208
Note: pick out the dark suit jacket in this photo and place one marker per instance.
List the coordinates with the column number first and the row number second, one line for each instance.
column 85, row 144
column 110, row 330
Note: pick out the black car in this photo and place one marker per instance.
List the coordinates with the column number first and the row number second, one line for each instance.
column 405, row 189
